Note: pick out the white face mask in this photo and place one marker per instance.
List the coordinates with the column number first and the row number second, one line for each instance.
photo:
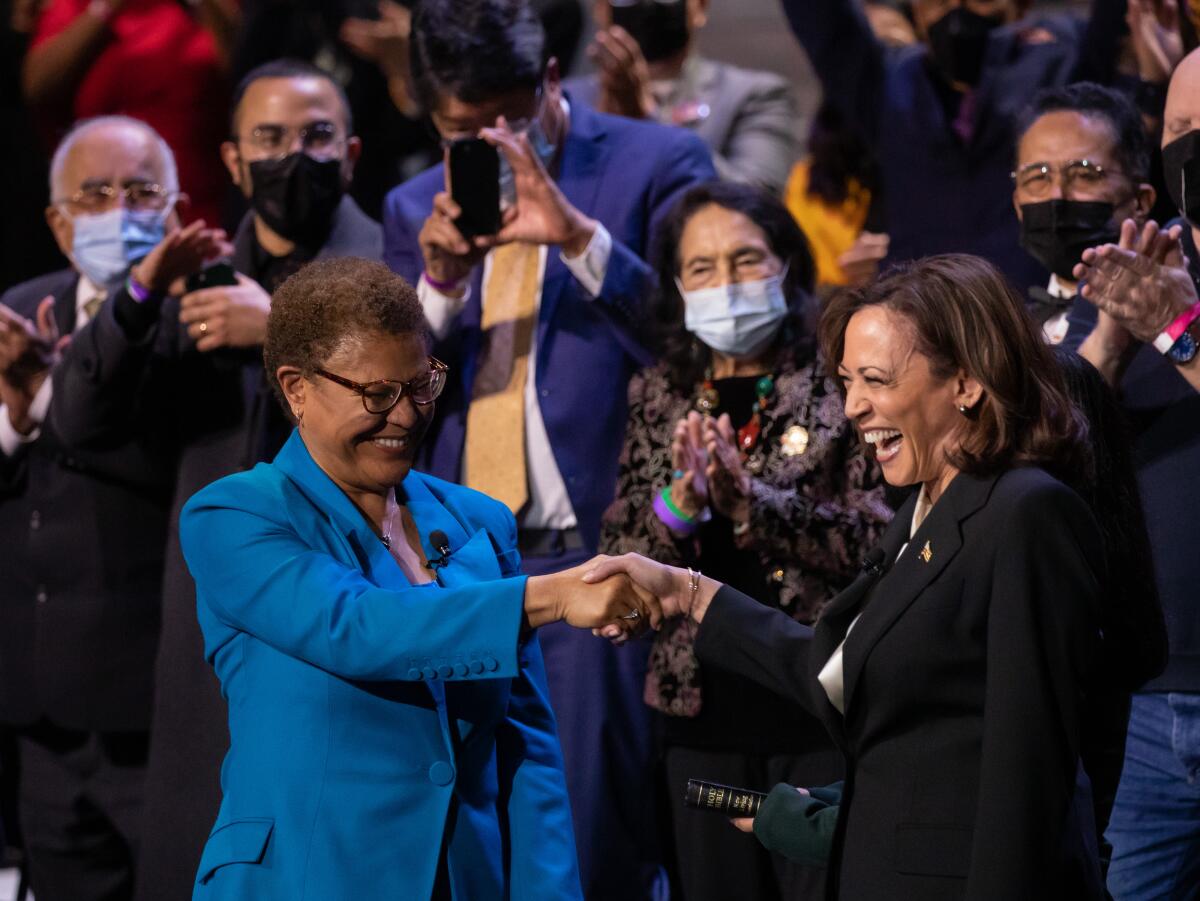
column 739, row 319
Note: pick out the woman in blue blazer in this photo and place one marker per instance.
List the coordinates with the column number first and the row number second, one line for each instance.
column 391, row 734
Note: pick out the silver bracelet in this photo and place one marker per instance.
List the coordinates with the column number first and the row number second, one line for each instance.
column 693, row 588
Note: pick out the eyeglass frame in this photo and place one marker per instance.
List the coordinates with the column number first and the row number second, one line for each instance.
column 436, row 367
column 112, row 193
column 290, row 133
column 1061, row 169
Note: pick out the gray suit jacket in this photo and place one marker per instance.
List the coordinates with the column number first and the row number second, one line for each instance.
column 749, row 119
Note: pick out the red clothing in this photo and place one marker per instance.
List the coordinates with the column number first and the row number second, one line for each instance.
column 160, row 66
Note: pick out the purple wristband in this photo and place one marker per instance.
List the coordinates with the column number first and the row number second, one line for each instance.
column 139, row 292
column 669, row 519
column 443, row 287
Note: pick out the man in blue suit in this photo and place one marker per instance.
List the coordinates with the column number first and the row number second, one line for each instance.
column 540, row 324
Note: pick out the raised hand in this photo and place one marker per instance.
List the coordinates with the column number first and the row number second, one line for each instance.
column 728, row 481
column 542, row 213
column 861, row 262
column 227, row 316
column 179, row 254
column 449, row 257
column 1155, row 38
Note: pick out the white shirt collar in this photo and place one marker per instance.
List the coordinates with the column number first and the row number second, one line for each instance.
column 920, row 511
column 1058, row 289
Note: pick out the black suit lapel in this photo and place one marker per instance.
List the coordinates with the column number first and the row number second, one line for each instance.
column 65, row 313
column 930, row 550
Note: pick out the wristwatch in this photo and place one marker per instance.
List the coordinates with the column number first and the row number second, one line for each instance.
column 1184, row 349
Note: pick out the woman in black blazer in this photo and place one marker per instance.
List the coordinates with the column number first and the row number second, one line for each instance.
column 952, row 671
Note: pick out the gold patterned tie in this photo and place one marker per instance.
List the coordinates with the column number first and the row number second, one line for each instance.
column 495, row 445
column 92, row 305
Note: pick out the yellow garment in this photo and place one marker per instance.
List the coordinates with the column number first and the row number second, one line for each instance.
column 831, row 230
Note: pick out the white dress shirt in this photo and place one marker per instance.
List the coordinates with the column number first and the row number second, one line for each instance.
column 10, row 438
column 549, row 504
column 832, row 673
column 1054, row 329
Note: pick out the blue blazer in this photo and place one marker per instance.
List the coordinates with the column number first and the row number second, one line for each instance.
column 626, row 174
column 368, row 717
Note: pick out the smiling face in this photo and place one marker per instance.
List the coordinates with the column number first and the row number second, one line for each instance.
column 905, row 412
column 364, row 453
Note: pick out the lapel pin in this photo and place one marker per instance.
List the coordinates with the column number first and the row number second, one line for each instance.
column 926, row 553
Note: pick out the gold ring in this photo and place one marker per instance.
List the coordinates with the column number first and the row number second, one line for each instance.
column 204, row 328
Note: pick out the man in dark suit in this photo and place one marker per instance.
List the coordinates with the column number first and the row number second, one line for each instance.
column 540, row 327
column 83, row 532
column 292, row 155
column 940, row 115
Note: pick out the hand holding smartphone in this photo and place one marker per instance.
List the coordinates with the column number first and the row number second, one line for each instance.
column 474, row 174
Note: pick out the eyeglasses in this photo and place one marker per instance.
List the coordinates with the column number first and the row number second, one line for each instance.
column 1037, row 179
column 142, row 196
column 318, row 139
column 380, row 396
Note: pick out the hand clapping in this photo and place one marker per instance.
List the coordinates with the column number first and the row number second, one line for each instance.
column 1141, row 282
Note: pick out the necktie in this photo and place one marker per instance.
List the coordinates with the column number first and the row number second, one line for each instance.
column 495, row 445
column 91, row 306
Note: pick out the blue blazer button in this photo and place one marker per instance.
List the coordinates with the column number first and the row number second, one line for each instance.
column 445, row 671
column 477, row 667
column 461, row 669
column 441, row 773
column 429, row 672
column 492, row 664
column 414, row 674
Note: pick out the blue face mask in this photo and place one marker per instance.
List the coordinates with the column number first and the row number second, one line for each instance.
column 542, row 146
column 739, row 319
column 107, row 244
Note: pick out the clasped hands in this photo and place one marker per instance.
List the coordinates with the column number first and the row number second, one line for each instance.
column 617, row 598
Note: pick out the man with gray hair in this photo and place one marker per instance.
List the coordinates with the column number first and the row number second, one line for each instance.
column 83, row 532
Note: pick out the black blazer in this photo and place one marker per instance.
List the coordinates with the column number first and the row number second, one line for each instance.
column 82, row 535
column 964, row 682
column 222, row 418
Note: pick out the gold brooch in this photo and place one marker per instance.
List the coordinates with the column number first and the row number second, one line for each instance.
column 794, row 441
column 926, row 553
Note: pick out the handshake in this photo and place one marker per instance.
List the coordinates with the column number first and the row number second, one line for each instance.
column 617, row 597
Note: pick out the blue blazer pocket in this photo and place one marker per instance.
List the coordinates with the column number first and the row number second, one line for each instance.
column 238, row 841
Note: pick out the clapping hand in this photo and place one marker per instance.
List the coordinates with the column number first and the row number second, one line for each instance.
column 623, row 74
column 689, row 460
column 1142, row 282
column 179, row 254
column 1155, row 38
column 728, row 481
column 27, row 352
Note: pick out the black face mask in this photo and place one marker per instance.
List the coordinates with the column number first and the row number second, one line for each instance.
column 297, row 195
column 957, row 42
column 660, row 27
column 1057, row 232
column 1181, row 170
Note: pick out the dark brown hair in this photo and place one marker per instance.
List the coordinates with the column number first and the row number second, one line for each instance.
column 330, row 302
column 964, row 315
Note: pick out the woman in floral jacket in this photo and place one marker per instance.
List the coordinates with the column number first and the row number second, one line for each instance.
column 739, row 462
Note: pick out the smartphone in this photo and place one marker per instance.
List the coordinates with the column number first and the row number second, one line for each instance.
column 474, row 168
column 217, row 275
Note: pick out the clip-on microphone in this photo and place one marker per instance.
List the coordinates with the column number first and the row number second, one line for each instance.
column 438, row 539
column 873, row 564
